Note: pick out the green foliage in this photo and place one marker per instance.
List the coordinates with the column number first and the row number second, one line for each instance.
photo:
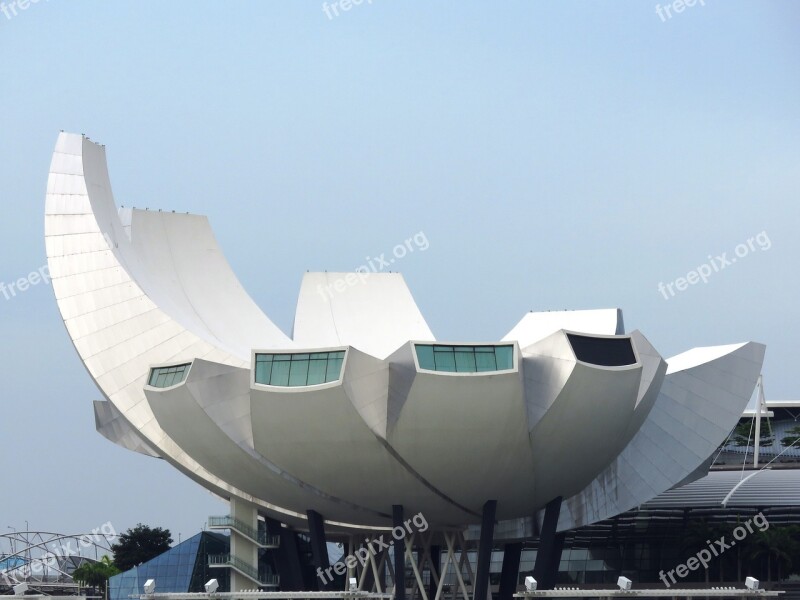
column 139, row 544
column 744, row 434
column 793, row 437
column 96, row 574
column 777, row 545
column 697, row 536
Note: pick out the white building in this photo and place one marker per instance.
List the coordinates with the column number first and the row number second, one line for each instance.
column 361, row 418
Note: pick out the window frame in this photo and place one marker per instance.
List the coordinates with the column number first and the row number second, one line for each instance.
column 160, row 367
column 291, row 352
column 634, row 365
column 515, row 357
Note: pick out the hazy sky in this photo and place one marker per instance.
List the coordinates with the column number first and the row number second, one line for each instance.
column 554, row 155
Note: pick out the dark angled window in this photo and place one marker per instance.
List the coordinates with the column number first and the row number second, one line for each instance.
column 465, row 359
column 163, row 377
column 606, row 352
column 297, row 370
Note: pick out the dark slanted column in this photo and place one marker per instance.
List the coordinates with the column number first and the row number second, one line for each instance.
column 509, row 577
column 558, row 546
column 436, row 566
column 548, row 556
column 485, row 551
column 399, row 555
column 319, row 547
column 287, row 557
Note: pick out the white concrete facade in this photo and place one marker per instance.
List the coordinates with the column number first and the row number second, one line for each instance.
column 143, row 289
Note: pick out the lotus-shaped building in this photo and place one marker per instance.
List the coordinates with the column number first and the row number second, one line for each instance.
column 362, row 410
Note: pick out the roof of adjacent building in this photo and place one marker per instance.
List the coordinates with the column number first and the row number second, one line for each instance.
column 764, row 487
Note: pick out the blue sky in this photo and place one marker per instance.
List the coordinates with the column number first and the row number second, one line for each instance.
column 555, row 155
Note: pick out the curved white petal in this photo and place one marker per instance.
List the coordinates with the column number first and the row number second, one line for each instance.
column 117, row 327
column 373, row 312
column 536, row 326
column 697, row 408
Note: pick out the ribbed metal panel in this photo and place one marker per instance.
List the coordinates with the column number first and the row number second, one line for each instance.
column 767, row 488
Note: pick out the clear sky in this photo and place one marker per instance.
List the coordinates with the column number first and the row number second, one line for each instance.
column 553, row 154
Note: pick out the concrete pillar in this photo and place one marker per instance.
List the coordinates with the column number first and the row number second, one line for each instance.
column 399, row 555
column 436, row 559
column 243, row 548
column 548, row 556
column 481, row 588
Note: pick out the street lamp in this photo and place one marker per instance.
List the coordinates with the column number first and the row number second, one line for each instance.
column 13, row 540
column 27, row 541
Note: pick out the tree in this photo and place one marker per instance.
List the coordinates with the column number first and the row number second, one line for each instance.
column 782, row 548
column 696, row 537
column 792, row 438
column 745, row 431
column 96, row 574
column 139, row 544
column 776, row 545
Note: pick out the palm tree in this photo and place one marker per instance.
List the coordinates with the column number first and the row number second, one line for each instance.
column 777, row 545
column 782, row 547
column 697, row 536
column 96, row 574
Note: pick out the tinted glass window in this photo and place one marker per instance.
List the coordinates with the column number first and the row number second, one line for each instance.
column 607, row 352
column 298, row 370
column 163, row 377
column 465, row 359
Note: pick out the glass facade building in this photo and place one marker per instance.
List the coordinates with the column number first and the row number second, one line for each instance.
column 183, row 568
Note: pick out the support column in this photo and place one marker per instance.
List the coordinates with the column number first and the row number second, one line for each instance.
column 762, row 406
column 481, row 587
column 242, row 547
column 347, row 550
column 287, row 557
column 383, row 562
column 548, row 556
column 509, row 578
column 368, row 577
column 399, row 555
column 436, row 565
column 558, row 546
column 319, row 547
